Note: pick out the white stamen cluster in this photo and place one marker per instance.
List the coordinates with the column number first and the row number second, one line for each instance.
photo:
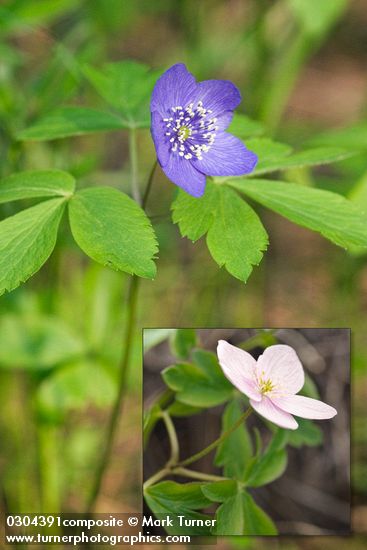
column 190, row 131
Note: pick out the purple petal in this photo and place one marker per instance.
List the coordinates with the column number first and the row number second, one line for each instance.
column 182, row 173
column 226, row 157
column 158, row 134
column 304, row 407
column 175, row 87
column 224, row 120
column 239, row 367
column 281, row 365
column 271, row 412
column 217, row 95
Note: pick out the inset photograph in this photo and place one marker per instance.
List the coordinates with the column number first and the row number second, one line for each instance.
column 247, row 431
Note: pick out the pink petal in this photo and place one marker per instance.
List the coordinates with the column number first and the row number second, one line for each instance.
column 304, row 407
column 271, row 412
column 281, row 365
column 239, row 367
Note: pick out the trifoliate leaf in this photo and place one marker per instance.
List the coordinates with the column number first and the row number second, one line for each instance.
column 172, row 499
column 36, row 183
column 332, row 215
column 113, row 230
column 127, row 86
column 236, row 237
column 26, row 241
column 71, row 121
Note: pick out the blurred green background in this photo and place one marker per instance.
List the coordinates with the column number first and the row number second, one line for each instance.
column 300, row 65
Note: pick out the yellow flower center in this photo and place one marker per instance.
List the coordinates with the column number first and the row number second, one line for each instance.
column 266, row 386
column 184, row 132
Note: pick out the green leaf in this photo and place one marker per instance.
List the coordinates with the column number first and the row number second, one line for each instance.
column 207, row 361
column 310, row 157
column 151, row 418
column 219, row 491
column 263, row 338
column 113, row 230
column 182, row 342
column 332, row 215
column 188, row 495
column 351, row 137
column 358, row 195
column 257, row 522
column 181, row 409
column 244, row 127
column 26, row 242
column 235, row 236
column 268, row 152
column 195, row 216
column 36, row 342
column 274, row 156
column 75, row 387
column 234, row 453
column 306, row 434
column 230, row 516
column 71, row 121
column 198, row 386
column 172, row 499
column 127, row 86
column 154, row 336
column 239, row 514
column 36, row 183
column 271, row 464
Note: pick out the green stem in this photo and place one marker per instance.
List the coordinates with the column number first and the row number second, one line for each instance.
column 150, row 419
column 196, row 475
column 115, row 414
column 218, row 441
column 175, row 450
column 174, row 468
column 48, row 468
column 149, row 184
column 156, row 477
column 164, row 398
column 183, row 472
column 132, row 299
column 263, row 339
column 133, row 153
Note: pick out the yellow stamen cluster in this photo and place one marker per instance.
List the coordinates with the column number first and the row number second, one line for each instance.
column 184, row 132
column 265, row 386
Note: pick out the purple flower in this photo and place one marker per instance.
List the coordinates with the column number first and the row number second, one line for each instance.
column 189, row 120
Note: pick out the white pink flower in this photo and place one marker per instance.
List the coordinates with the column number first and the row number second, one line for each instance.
column 272, row 383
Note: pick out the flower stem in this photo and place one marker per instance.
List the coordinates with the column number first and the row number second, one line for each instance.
column 149, row 184
column 183, row 472
column 133, row 153
column 156, row 477
column 175, row 450
column 132, row 299
column 218, row 441
column 115, row 414
column 48, row 467
column 196, row 475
